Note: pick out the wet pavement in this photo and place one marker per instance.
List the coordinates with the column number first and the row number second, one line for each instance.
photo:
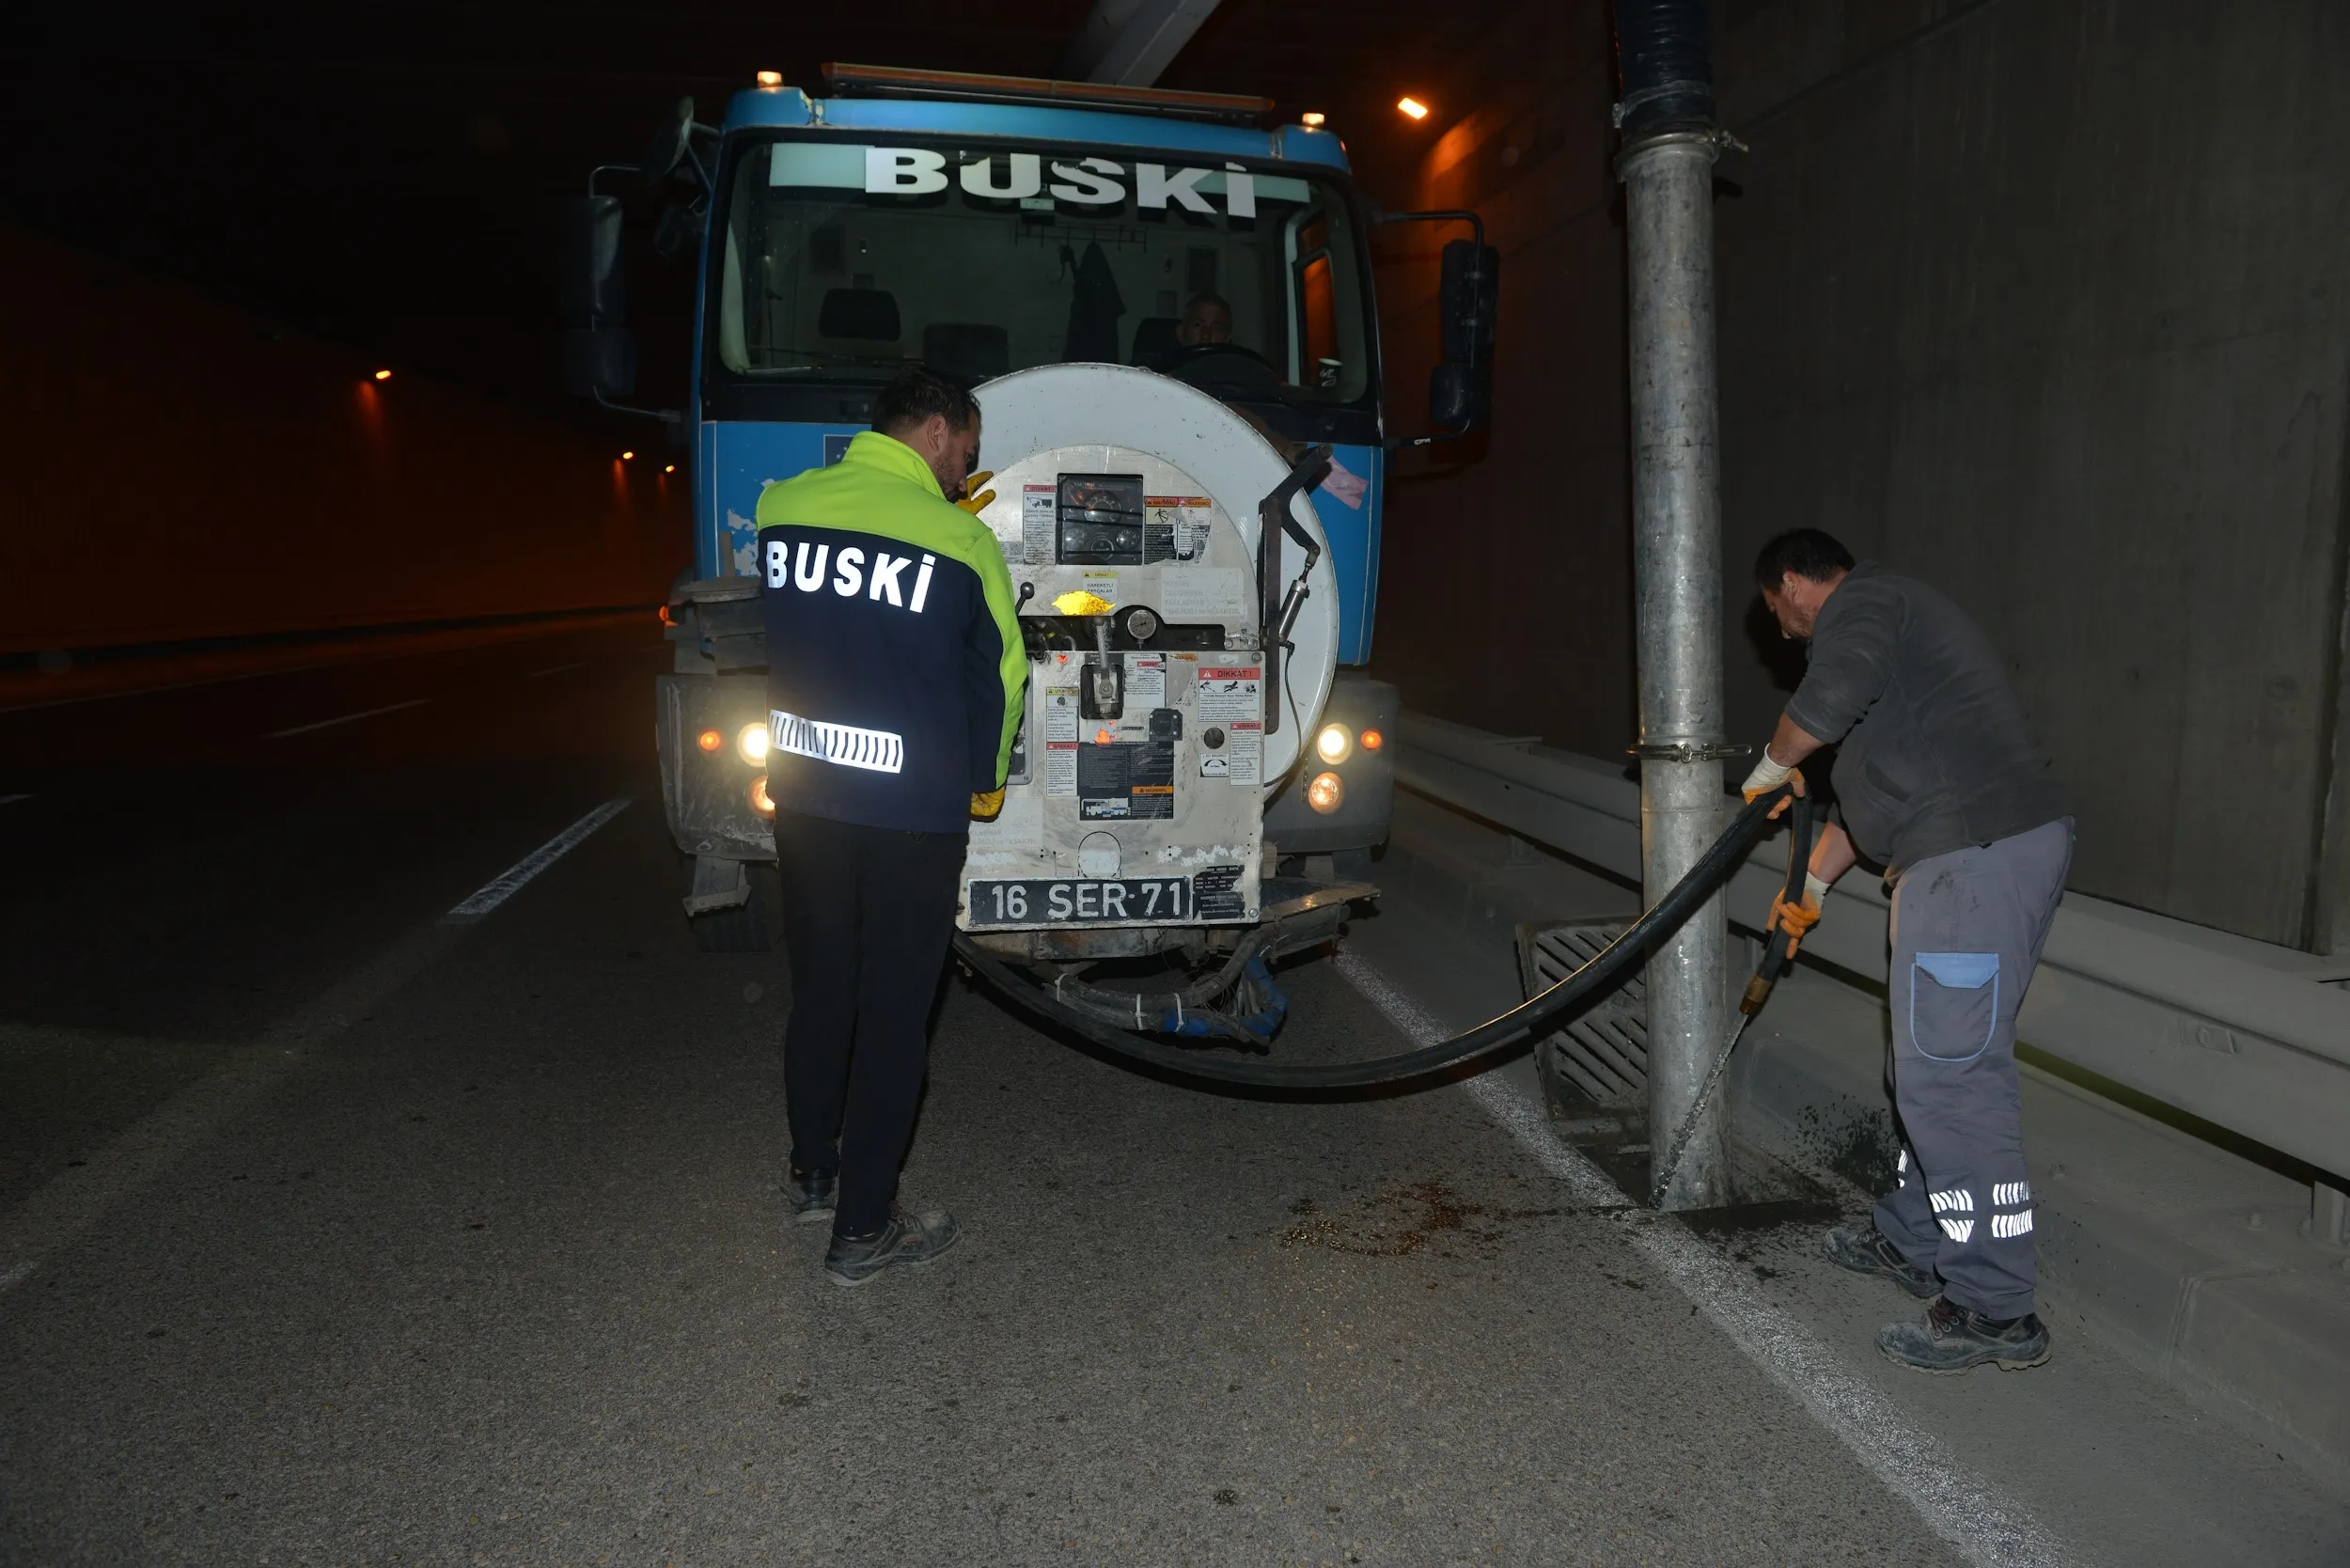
column 336, row 1233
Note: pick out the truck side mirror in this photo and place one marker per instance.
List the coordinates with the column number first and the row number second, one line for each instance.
column 599, row 354
column 1460, row 391
column 671, row 145
column 1461, row 388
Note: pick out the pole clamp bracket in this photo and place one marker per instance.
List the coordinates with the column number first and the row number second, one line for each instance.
column 1689, row 751
column 1714, row 139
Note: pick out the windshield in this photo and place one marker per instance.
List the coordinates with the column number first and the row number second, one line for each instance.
column 852, row 260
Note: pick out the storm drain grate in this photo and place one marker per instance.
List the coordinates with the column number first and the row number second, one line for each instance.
column 1604, row 1053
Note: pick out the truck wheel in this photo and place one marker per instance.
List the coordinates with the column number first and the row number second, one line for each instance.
column 741, row 929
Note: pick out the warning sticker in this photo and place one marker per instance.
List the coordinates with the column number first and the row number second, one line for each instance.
column 1060, row 740
column 1146, row 680
column 1246, row 749
column 1103, row 585
column 1036, row 518
column 1103, row 772
column 1130, row 779
column 1231, row 700
column 1175, row 525
column 1230, row 694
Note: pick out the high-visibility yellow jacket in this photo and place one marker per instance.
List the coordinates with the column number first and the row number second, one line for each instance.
column 896, row 673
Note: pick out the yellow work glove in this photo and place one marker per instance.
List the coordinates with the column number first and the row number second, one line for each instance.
column 984, row 805
column 1796, row 919
column 974, row 499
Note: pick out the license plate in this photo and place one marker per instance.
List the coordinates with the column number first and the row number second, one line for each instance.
column 1081, row 902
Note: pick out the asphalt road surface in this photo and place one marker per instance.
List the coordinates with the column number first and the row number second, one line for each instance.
column 333, row 1230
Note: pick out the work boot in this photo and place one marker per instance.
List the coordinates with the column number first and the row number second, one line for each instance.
column 1954, row 1338
column 853, row 1260
column 1868, row 1252
column 810, row 1193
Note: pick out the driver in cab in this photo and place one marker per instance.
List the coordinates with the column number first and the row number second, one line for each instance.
column 1206, row 323
column 1207, row 320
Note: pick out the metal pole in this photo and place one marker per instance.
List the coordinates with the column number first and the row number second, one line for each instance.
column 1668, row 170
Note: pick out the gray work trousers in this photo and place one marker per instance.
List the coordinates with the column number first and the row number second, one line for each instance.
column 1967, row 928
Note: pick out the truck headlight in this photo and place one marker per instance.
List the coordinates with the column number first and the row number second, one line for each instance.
column 757, row 795
column 1335, row 743
column 752, row 743
column 1326, row 793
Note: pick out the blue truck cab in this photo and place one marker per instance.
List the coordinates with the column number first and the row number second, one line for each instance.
column 983, row 226
column 850, row 235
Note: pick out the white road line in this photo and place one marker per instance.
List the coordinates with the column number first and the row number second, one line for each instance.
column 11, row 800
column 508, row 882
column 80, row 1196
column 1913, row 1464
column 347, row 718
column 575, row 664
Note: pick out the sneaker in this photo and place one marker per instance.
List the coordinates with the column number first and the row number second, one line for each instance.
column 906, row 1238
column 1868, row 1252
column 1953, row 1338
column 810, row 1193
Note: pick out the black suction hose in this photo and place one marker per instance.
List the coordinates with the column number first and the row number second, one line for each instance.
column 1607, row 969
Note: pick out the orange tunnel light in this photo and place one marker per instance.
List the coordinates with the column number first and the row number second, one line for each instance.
column 382, row 375
column 1413, row 107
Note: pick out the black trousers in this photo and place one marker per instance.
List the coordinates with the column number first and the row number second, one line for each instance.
column 868, row 913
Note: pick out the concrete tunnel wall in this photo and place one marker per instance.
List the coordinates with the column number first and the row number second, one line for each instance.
column 182, row 470
column 2041, row 300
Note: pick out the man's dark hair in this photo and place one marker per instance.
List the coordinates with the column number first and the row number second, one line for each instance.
column 917, row 393
column 1805, row 552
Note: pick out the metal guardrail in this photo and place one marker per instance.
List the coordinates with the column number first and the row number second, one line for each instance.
column 2253, row 1047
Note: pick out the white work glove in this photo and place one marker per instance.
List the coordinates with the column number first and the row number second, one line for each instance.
column 1767, row 776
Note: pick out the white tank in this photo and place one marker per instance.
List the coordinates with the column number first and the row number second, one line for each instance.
column 1137, row 795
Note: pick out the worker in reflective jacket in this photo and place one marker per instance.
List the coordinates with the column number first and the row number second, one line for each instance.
column 1938, row 783
column 895, row 682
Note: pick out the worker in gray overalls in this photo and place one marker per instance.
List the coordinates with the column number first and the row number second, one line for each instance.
column 1936, row 781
